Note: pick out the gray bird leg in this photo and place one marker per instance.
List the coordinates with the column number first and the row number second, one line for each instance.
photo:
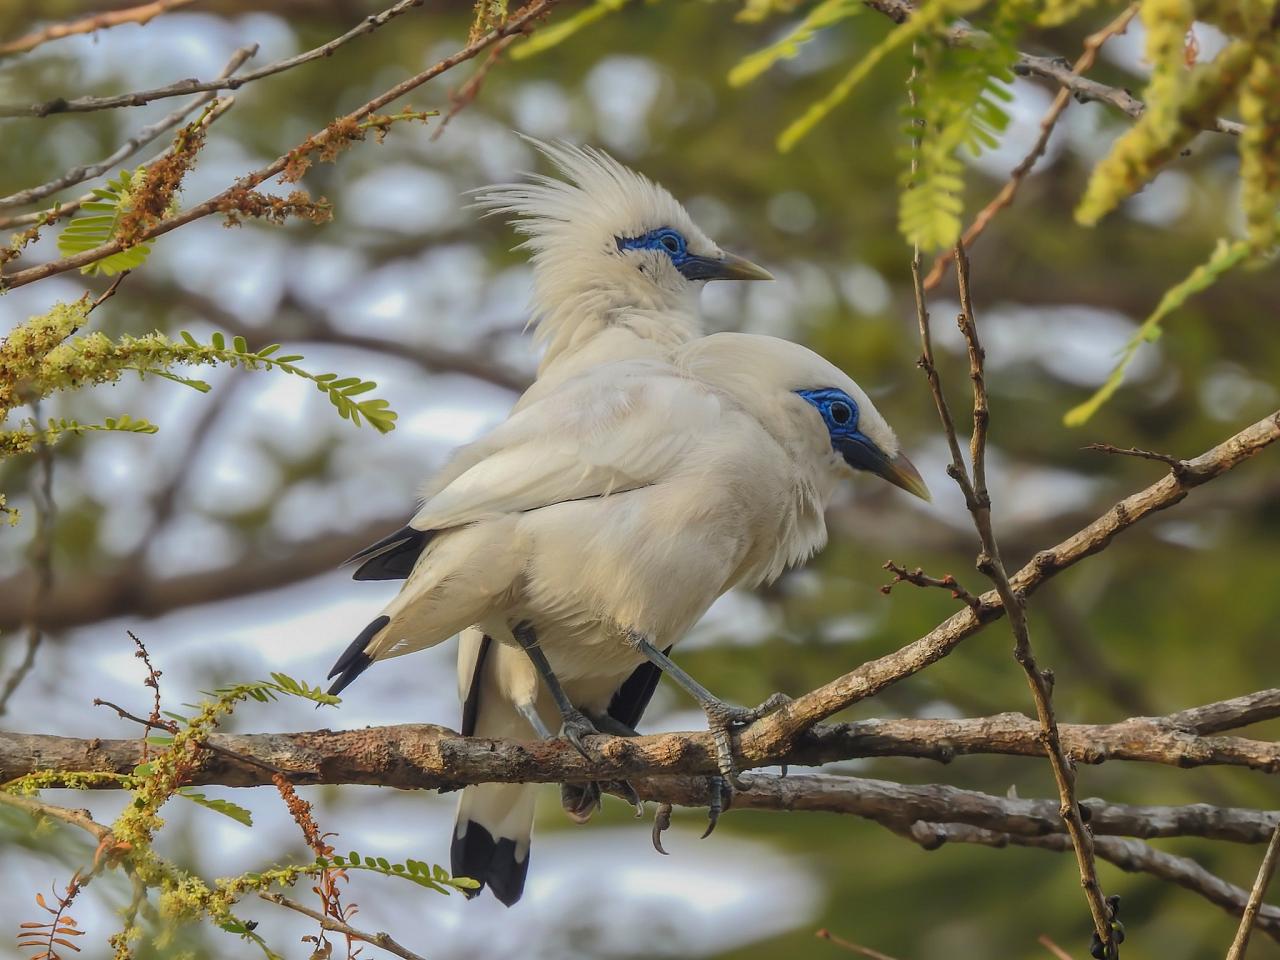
column 575, row 726
column 530, row 713
column 721, row 717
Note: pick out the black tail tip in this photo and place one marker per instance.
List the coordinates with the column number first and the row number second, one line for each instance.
column 475, row 854
column 354, row 661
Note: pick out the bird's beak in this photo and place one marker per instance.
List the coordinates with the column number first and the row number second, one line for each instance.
column 726, row 267
column 733, row 267
column 862, row 454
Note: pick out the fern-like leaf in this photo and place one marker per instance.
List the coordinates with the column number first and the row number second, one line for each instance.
column 1225, row 257
column 224, row 807
column 824, row 15
column 428, row 876
column 100, row 225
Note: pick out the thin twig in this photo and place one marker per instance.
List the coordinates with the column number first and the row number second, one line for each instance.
column 382, row 940
column 41, row 562
column 63, row 210
column 99, row 21
column 129, row 147
column 1092, row 44
column 1052, row 947
column 852, row 947
column 1177, row 466
column 466, row 94
column 920, row 579
column 183, row 87
column 991, row 564
column 1241, row 942
column 38, row 808
column 521, row 22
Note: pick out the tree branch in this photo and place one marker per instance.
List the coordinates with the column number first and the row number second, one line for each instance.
column 184, row 87
column 1250, row 916
column 140, row 14
column 129, row 147
column 429, row 756
column 1132, row 856
column 520, row 22
column 382, row 940
column 765, row 736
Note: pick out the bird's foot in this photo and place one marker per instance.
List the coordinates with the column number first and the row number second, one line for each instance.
column 721, row 797
column 722, row 719
column 576, row 728
column 721, row 800
column 580, row 800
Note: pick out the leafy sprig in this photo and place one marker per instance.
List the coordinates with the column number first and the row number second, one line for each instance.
column 112, row 204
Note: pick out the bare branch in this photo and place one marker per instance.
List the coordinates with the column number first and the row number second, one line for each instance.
column 767, row 735
column 1241, row 942
column 852, row 947
column 426, row 756
column 1092, row 44
column 382, row 940
column 920, row 579
column 129, row 147
column 184, row 87
column 38, row 808
column 141, row 14
column 520, row 22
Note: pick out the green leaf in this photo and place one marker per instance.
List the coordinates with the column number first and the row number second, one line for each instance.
column 1226, row 255
column 823, row 15
column 224, row 807
column 99, row 227
column 219, row 341
column 557, row 33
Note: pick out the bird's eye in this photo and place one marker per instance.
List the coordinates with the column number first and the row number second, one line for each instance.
column 671, row 242
column 841, row 412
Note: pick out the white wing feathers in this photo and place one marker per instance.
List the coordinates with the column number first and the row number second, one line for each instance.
column 593, row 437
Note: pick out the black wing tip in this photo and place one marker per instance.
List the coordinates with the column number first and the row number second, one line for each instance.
column 393, row 557
column 354, row 661
column 493, row 864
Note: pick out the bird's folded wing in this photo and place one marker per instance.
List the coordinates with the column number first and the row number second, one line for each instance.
column 616, row 429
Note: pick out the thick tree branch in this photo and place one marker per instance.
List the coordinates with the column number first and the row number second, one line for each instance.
column 428, row 756
column 788, row 722
column 1132, row 856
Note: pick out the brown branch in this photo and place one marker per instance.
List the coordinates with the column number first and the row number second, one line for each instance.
column 1132, row 856
column 427, row 756
column 852, row 947
column 140, row 15
column 1053, row 69
column 76, row 818
column 768, row 735
column 920, row 579
column 183, row 87
column 129, row 147
column 382, row 940
column 520, row 22
column 1173, row 462
column 1052, row 947
column 991, row 564
column 1092, row 44
column 466, row 94
column 1268, row 868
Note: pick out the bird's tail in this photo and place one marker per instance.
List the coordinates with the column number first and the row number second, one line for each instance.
column 491, row 837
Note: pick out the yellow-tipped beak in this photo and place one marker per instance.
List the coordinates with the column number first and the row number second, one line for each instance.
column 901, row 472
column 733, row 267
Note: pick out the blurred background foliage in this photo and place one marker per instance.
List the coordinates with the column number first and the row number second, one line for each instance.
column 216, row 540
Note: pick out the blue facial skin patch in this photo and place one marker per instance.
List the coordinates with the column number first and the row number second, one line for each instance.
column 840, row 414
column 673, row 244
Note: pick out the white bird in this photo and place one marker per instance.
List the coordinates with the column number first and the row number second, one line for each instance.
column 595, row 526
column 618, row 265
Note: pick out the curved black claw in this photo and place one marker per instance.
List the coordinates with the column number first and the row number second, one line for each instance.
column 627, row 792
column 661, row 821
column 575, row 729
column 721, row 800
